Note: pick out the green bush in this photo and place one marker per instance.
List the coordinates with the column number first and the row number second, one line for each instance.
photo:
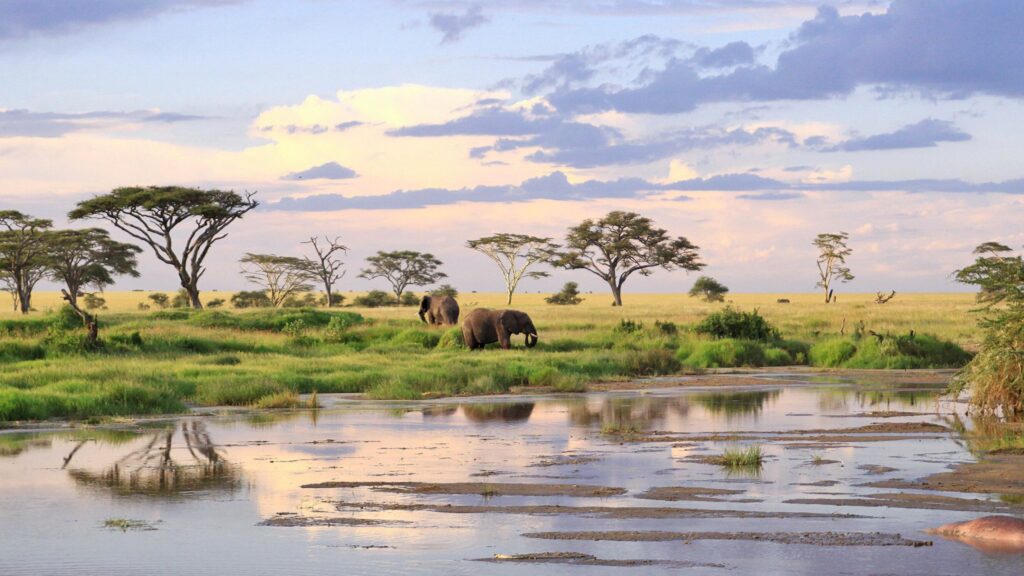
column 724, row 353
column 627, row 326
column 20, row 351
column 250, row 299
column 832, row 353
column 569, row 296
column 422, row 338
column 732, row 323
column 374, row 299
column 666, row 328
column 903, row 352
column 654, row 362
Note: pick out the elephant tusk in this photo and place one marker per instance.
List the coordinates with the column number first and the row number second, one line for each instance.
column 530, row 343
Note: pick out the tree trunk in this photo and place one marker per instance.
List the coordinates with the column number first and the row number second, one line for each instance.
column 330, row 295
column 510, row 297
column 616, row 294
column 828, row 295
column 92, row 325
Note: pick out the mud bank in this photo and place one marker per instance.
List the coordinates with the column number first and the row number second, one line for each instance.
column 480, row 488
column 806, row 538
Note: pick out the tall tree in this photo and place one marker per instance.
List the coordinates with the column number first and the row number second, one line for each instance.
column 279, row 276
column 327, row 266
column 161, row 216
column 515, row 254
column 404, row 268
column 24, row 241
column 832, row 253
column 80, row 259
column 621, row 244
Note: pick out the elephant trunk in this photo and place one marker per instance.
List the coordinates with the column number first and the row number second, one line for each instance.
column 423, row 316
column 531, row 339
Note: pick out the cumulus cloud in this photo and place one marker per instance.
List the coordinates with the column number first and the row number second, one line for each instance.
column 924, row 134
column 949, row 49
column 453, row 25
column 25, row 18
column 327, row 171
column 26, row 123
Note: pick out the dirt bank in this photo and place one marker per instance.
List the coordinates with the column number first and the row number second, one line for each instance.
column 809, row 538
column 479, row 488
column 997, row 474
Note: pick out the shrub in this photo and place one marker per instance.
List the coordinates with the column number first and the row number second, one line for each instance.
column 422, row 338
column 374, row 299
column 340, row 324
column 143, row 306
column 250, row 299
column 666, row 328
column 94, row 302
column 724, row 353
column 336, row 300
column 653, row 362
column 306, row 300
column 409, row 299
column 627, row 326
column 709, row 289
column 20, row 351
column 445, row 290
column 733, row 323
column 887, row 351
column 832, row 353
column 215, row 303
column 160, row 300
column 181, row 299
column 569, row 296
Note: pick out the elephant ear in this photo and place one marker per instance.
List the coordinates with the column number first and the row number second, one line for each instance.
column 425, row 302
column 509, row 320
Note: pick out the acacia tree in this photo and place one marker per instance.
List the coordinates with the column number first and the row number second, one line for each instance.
column 514, row 254
column 88, row 258
column 832, row 253
column 279, row 276
column 709, row 289
column 621, row 244
column 327, row 266
column 996, row 373
column 161, row 216
column 24, row 241
column 404, row 268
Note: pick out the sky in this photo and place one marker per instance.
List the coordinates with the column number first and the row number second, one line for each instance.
column 747, row 126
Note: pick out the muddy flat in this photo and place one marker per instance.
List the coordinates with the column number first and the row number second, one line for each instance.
column 480, row 488
column 805, row 538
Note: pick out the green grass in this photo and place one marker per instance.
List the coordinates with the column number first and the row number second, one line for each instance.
column 742, row 457
column 163, row 361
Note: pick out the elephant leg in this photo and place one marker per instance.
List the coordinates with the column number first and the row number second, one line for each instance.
column 467, row 338
column 504, row 339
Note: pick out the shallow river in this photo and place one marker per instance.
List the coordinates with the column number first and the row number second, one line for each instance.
column 223, row 494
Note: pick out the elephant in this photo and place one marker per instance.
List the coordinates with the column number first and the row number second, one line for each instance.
column 439, row 310
column 485, row 326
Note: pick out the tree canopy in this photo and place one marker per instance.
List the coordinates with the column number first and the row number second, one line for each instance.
column 88, row 258
column 165, row 216
column 621, row 244
column 24, row 241
column 279, row 276
column 403, row 268
column 515, row 254
column 709, row 289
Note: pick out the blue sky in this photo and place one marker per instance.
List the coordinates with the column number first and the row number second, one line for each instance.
column 747, row 126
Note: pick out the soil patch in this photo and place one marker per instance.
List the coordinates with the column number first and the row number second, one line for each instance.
column 875, row 469
column 691, row 493
column 480, row 488
column 602, row 512
column 579, row 559
column 289, row 520
column 808, row 538
column 914, row 501
column 998, row 474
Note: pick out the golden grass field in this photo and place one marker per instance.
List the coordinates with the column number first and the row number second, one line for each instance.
column 949, row 316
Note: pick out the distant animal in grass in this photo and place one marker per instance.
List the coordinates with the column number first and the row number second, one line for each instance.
column 439, row 310
column 998, row 534
column 782, row 301
column 485, row 326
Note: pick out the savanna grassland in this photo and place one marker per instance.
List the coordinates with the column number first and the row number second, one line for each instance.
column 163, row 361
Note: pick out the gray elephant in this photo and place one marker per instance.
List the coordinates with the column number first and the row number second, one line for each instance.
column 439, row 310
column 485, row 326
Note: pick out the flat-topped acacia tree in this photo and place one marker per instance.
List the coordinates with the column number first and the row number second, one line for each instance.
column 621, row 244
column 24, row 241
column 403, row 268
column 179, row 224
column 514, row 254
column 88, row 258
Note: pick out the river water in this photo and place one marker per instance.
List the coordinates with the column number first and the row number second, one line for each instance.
column 195, row 495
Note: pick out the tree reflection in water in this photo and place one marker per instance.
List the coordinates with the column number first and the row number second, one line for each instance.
column 627, row 413
column 731, row 404
column 154, row 469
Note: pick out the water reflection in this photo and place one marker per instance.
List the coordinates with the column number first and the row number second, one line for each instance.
column 732, row 404
column 14, row 444
column 159, row 465
column 627, row 413
column 503, row 412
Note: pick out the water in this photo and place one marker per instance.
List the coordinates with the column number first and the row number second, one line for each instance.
column 205, row 483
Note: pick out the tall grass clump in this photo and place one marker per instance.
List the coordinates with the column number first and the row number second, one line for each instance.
column 742, row 457
column 889, row 351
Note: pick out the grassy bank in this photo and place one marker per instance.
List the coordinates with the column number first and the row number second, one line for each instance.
column 158, row 362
